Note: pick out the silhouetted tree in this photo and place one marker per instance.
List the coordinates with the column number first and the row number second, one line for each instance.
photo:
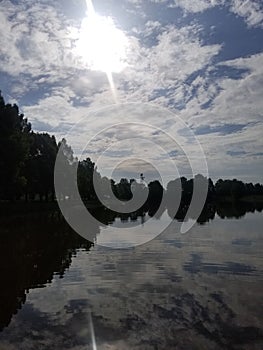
column 40, row 166
column 258, row 189
column 234, row 189
column 14, row 147
column 156, row 192
column 67, row 165
column 173, row 190
column 123, row 189
column 87, row 171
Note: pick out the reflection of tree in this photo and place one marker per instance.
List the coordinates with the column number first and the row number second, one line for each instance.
column 237, row 209
column 37, row 246
column 155, row 211
column 222, row 209
column 107, row 216
column 34, row 248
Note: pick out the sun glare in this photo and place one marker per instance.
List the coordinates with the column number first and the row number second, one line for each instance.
column 101, row 44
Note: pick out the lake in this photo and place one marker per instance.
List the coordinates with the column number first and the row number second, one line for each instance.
column 198, row 290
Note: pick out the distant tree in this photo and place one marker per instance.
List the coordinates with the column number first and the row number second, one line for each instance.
column 14, row 147
column 233, row 189
column 211, row 189
column 238, row 189
column 223, row 187
column 114, row 188
column 66, row 165
column 174, row 190
column 123, row 189
column 40, row 166
column 156, row 192
column 86, row 172
column 105, row 186
column 258, row 189
column 138, row 189
column 250, row 189
column 201, row 186
column 188, row 187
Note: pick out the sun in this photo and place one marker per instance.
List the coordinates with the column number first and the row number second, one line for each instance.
column 102, row 46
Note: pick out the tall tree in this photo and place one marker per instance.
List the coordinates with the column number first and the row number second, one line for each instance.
column 87, row 171
column 123, row 189
column 67, row 165
column 40, row 165
column 14, row 148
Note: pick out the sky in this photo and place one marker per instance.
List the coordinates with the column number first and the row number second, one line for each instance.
column 187, row 91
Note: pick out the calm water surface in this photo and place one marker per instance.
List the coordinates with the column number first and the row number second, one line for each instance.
column 200, row 290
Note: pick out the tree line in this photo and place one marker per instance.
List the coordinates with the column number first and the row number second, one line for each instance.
column 27, row 160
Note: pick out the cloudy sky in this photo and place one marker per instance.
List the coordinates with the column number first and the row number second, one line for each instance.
column 198, row 63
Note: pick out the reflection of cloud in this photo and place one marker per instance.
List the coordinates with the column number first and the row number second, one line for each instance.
column 136, row 296
column 236, row 153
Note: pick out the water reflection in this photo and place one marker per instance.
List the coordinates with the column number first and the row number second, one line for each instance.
column 194, row 291
column 226, row 210
column 33, row 248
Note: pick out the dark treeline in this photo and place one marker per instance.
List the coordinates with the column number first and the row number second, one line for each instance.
column 27, row 162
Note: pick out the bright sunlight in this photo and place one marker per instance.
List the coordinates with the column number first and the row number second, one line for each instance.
column 101, row 44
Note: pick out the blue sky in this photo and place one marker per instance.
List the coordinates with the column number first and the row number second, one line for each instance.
column 201, row 60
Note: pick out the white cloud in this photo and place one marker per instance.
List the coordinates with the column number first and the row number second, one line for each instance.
column 241, row 99
column 53, row 110
column 177, row 54
column 238, row 101
column 196, row 6
column 250, row 10
column 231, row 99
column 151, row 27
column 35, row 40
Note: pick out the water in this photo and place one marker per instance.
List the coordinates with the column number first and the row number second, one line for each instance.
column 200, row 290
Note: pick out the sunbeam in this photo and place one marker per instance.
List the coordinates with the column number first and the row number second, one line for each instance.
column 92, row 332
column 112, row 86
column 102, row 46
column 90, row 6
